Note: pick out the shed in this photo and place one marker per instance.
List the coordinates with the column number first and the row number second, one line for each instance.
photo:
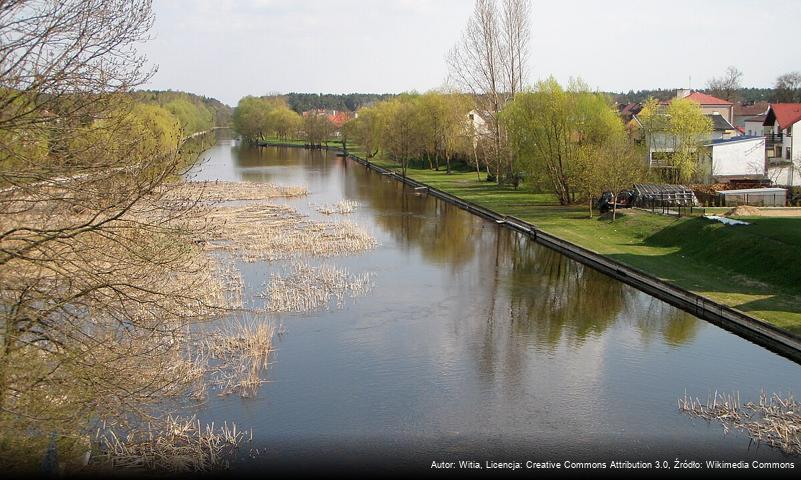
column 758, row 197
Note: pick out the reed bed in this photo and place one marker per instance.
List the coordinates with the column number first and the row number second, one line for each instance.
column 271, row 232
column 173, row 444
column 306, row 288
column 774, row 420
column 237, row 356
column 221, row 191
column 341, row 207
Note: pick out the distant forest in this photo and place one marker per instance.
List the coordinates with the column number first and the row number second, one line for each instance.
column 195, row 112
column 301, row 102
column 746, row 95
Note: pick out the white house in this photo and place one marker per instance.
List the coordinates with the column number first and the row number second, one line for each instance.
column 738, row 158
column 755, row 125
column 783, row 149
column 661, row 145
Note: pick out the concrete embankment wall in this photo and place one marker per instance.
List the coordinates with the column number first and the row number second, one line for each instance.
column 762, row 333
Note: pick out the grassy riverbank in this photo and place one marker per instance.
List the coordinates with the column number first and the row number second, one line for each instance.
column 753, row 268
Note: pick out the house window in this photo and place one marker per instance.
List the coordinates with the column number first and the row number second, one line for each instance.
column 788, row 153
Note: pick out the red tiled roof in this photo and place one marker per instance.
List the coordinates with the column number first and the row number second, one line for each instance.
column 705, row 99
column 339, row 118
column 786, row 113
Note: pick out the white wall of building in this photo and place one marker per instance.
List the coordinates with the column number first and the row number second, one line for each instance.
column 754, row 128
column 746, row 157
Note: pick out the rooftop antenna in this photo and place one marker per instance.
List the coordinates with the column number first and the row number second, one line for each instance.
column 690, row 87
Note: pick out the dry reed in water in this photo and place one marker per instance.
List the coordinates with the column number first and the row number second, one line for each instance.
column 173, row 444
column 220, row 191
column 269, row 232
column 775, row 421
column 238, row 354
column 341, row 207
column 305, row 288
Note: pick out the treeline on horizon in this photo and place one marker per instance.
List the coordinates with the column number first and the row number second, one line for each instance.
column 351, row 102
column 194, row 113
column 303, row 102
column 747, row 95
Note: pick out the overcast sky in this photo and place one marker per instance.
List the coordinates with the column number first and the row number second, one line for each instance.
column 231, row 48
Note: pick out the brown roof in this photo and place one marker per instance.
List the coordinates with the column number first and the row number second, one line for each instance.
column 758, row 108
column 756, row 118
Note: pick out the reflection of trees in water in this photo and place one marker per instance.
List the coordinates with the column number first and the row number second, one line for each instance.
column 248, row 156
column 552, row 298
column 443, row 233
column 542, row 295
column 673, row 325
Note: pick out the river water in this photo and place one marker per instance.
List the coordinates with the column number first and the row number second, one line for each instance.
column 478, row 344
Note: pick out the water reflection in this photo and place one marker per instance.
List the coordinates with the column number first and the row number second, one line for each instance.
column 474, row 334
column 549, row 298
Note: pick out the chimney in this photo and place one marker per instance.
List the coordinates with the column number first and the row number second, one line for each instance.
column 683, row 92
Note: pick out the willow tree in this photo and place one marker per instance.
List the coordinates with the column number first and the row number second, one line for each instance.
column 678, row 131
column 368, row 128
column 99, row 275
column 443, row 119
column 549, row 126
column 402, row 140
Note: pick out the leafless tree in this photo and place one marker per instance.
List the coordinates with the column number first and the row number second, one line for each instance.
column 489, row 61
column 99, row 275
column 788, row 88
column 516, row 28
column 728, row 86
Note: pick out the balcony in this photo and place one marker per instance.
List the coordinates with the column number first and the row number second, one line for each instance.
column 772, row 139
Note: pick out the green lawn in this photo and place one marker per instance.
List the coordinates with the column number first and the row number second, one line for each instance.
column 754, row 268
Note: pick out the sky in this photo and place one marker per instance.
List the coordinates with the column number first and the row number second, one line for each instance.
column 228, row 49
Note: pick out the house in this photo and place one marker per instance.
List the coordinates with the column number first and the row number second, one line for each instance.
column 755, row 125
column 479, row 124
column 733, row 159
column 783, row 149
column 724, row 155
column 709, row 105
column 628, row 111
column 743, row 113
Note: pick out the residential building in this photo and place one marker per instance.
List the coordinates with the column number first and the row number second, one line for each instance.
column 755, row 125
column 709, row 105
column 724, row 155
column 733, row 159
column 743, row 113
column 783, row 149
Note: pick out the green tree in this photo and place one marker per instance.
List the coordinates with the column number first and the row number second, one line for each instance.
column 317, row 128
column 676, row 131
column 192, row 117
column 284, row 122
column 369, row 127
column 402, row 139
column 250, row 118
column 549, row 126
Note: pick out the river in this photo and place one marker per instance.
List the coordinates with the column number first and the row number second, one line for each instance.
column 477, row 343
